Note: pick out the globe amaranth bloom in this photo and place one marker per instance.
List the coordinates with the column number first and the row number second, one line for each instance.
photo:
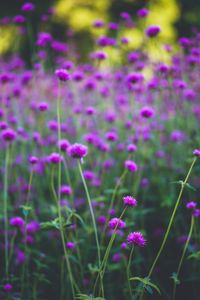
column 77, row 150
column 191, row 205
column 143, row 12
column 152, row 31
column 70, row 245
column 136, row 238
column 17, row 222
column 62, row 75
column 129, row 201
column 7, row 287
column 8, row 135
column 116, row 223
column 196, row 213
column 131, row 165
column 196, row 152
column 33, row 160
column 147, row 112
column 55, row 158
column 28, row 6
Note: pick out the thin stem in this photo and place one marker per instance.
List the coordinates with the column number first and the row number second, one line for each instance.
column 170, row 223
column 113, row 199
column 183, row 255
column 6, row 211
column 108, row 249
column 61, row 228
column 91, row 212
column 128, row 270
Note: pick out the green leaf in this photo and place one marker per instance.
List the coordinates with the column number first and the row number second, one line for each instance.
column 195, row 255
column 146, row 282
column 175, row 278
column 93, row 269
column 86, row 297
column 26, row 210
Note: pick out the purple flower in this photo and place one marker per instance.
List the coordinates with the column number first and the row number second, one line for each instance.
column 130, row 201
column 116, row 223
column 136, row 238
column 98, row 23
column 191, row 205
column 77, row 150
column 63, row 144
column 17, row 222
column 134, row 77
column 7, row 287
column 70, row 245
column 196, row 213
column 33, row 160
column 32, row 227
column 152, row 31
column 65, row 190
column 143, row 12
column 147, row 112
column 19, row 19
column 9, row 135
column 55, row 158
column 131, row 148
column 196, row 152
column 101, row 220
column 42, row 106
column 28, row 6
column 131, row 165
column 62, row 75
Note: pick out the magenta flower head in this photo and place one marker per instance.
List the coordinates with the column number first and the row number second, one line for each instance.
column 196, row 152
column 65, row 190
column 17, row 222
column 143, row 12
column 19, row 19
column 136, row 238
column 191, row 205
column 62, row 75
column 55, row 158
column 32, row 227
column 9, row 135
column 63, row 144
column 130, row 201
column 70, row 245
column 42, row 106
column 131, row 165
column 28, row 6
column 33, row 160
column 116, row 223
column 98, row 23
column 77, row 150
column 152, row 31
column 7, row 287
column 196, row 213
column 147, row 112
column 131, row 148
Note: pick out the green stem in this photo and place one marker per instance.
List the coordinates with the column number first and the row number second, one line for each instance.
column 61, row 228
column 108, row 249
column 91, row 212
column 6, row 211
column 170, row 223
column 128, row 270
column 183, row 255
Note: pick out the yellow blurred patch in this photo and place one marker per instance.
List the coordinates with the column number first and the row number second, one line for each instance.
column 7, row 38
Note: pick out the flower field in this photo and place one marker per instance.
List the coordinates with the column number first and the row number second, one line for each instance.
column 100, row 170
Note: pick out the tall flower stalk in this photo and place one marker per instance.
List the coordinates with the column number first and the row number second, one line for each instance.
column 61, row 228
column 183, row 255
column 183, row 184
column 6, row 211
